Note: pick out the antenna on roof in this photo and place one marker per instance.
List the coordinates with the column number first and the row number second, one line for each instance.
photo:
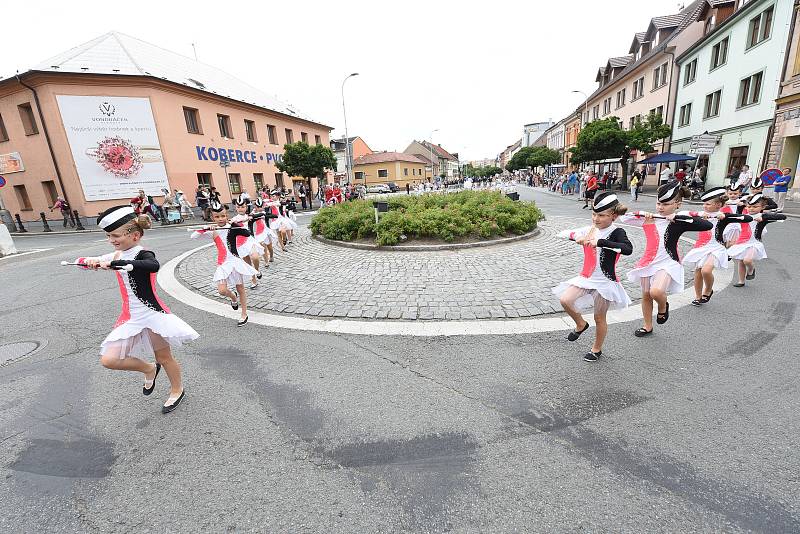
column 195, row 51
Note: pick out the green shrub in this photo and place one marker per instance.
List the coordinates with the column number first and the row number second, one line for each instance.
column 483, row 214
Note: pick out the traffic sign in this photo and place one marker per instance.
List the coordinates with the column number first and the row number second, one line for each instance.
column 2, row 181
column 701, row 151
column 706, row 138
column 770, row 175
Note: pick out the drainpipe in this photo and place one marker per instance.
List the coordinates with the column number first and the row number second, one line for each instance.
column 666, row 144
column 47, row 138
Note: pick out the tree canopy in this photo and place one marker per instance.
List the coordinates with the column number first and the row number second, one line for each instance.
column 302, row 159
column 481, row 172
column 533, row 156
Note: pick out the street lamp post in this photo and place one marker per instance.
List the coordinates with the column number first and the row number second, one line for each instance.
column 430, row 141
column 347, row 164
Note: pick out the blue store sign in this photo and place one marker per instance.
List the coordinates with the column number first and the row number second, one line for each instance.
column 231, row 155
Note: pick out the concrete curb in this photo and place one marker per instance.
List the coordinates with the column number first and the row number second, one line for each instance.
column 416, row 328
column 424, row 248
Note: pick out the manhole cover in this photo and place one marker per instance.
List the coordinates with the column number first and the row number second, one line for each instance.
column 14, row 351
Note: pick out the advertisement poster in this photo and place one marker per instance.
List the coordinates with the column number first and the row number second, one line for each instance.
column 114, row 144
column 11, row 163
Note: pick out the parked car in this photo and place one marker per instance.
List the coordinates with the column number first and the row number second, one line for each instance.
column 393, row 187
column 379, row 188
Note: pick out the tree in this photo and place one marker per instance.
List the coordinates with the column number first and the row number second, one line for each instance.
column 301, row 159
column 533, row 156
column 606, row 139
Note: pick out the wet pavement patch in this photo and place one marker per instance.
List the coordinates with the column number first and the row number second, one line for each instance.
column 71, row 459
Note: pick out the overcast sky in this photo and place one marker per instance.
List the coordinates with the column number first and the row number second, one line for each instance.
column 476, row 71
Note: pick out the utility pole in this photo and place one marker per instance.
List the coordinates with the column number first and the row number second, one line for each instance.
column 347, row 155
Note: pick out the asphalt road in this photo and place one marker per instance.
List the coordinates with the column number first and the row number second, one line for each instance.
column 694, row 429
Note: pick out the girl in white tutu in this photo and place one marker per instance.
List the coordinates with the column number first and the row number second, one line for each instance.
column 249, row 250
column 231, row 269
column 274, row 207
column 659, row 271
column 748, row 246
column 145, row 328
column 259, row 227
column 597, row 285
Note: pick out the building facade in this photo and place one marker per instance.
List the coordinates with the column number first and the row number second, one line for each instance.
column 533, row 132
column 572, row 127
column 357, row 148
column 729, row 83
column 116, row 115
column 385, row 167
column 444, row 163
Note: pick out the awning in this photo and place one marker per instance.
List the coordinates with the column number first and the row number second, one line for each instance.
column 668, row 157
column 611, row 160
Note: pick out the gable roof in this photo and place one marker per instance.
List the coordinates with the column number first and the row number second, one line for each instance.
column 387, row 157
column 118, row 54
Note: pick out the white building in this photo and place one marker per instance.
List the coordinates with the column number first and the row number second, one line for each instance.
column 532, row 132
column 728, row 85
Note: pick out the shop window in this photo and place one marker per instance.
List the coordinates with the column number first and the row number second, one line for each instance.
column 278, row 180
column 22, row 197
column 50, row 191
column 204, row 179
column 317, row 140
column 235, row 183
column 304, row 137
column 258, row 180
column 750, row 90
column 272, row 134
column 289, row 136
column 250, row 130
column 28, row 120
column 3, row 131
column 760, row 27
column 192, row 120
column 224, row 122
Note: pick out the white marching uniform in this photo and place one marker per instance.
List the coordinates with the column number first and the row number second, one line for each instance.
column 706, row 246
column 656, row 257
column 231, row 269
column 598, row 272
column 145, row 323
column 250, row 244
column 747, row 245
column 263, row 233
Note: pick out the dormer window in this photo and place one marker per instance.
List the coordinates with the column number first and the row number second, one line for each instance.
column 711, row 23
column 657, row 39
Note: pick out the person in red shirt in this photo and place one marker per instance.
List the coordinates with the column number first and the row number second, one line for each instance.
column 591, row 189
column 680, row 175
column 138, row 202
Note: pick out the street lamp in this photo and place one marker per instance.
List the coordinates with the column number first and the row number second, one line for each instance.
column 346, row 137
column 430, row 141
column 585, row 105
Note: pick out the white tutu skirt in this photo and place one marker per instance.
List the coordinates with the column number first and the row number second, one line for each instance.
column 697, row 257
column 234, row 273
column 286, row 223
column 249, row 246
column 670, row 266
column 612, row 291
column 142, row 336
column 740, row 252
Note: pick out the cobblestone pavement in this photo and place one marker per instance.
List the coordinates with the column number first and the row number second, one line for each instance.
column 503, row 281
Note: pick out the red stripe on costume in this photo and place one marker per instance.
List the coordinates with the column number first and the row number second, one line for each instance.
column 703, row 238
column 240, row 240
column 727, row 209
column 745, row 234
column 222, row 252
column 81, row 260
column 589, row 261
column 126, row 305
column 572, row 235
column 260, row 226
column 155, row 294
column 652, row 239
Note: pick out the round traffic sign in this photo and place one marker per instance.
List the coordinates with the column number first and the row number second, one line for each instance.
column 770, row 175
column 2, row 181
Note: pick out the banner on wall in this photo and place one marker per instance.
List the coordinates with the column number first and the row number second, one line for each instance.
column 114, row 144
column 11, row 162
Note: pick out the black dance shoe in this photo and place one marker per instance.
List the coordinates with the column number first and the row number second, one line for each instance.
column 243, row 321
column 168, row 407
column 145, row 389
column 592, row 356
column 574, row 335
column 662, row 318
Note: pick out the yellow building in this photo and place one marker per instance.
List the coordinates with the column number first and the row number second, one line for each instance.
column 385, row 167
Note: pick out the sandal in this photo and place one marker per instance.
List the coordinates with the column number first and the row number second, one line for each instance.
column 661, row 318
column 706, row 298
column 147, row 390
column 641, row 332
column 173, row 402
column 574, row 335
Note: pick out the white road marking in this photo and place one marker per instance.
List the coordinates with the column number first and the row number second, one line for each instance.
column 25, row 253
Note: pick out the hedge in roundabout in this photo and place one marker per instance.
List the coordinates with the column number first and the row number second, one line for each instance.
column 463, row 216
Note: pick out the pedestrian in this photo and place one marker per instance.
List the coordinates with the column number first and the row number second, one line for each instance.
column 681, row 175
column 591, row 189
column 139, row 202
column 146, row 328
column 781, row 188
column 201, row 198
column 185, row 205
column 249, row 249
column 408, row 188
column 231, row 269
column 597, row 285
column 665, row 176
column 745, row 178
column 62, row 205
column 749, row 247
column 634, row 185
column 659, row 271
column 303, row 195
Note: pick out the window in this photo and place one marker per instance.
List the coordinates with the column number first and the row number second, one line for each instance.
column 690, row 72
column 258, row 180
column 192, row 120
column 22, row 197
column 685, row 115
column 235, row 183
column 272, row 134
column 719, row 54
column 204, row 179
column 657, row 111
column 289, row 136
column 596, row 112
column 633, row 121
column 750, row 90
column 50, row 192
column 638, row 89
column 3, row 131
column 712, row 104
column 660, row 76
column 317, row 140
column 304, row 137
column 405, row 171
column 620, row 98
column 28, row 121
column 279, row 179
column 737, row 157
column 607, row 106
column 760, row 27
column 250, row 130
column 359, row 175
column 224, row 126
column 383, row 173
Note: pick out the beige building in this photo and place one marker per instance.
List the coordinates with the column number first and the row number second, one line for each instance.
column 115, row 115
column 385, row 167
column 644, row 81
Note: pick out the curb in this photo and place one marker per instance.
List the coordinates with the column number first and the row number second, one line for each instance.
column 97, row 230
column 424, row 248
column 413, row 328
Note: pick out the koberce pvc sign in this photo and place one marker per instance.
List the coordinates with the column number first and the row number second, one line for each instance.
column 212, row 153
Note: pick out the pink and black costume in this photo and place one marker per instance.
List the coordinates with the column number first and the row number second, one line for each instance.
column 749, row 243
column 710, row 243
column 231, row 268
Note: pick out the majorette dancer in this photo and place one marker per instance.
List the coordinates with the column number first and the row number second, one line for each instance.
column 249, row 249
column 709, row 251
column 259, row 227
column 749, row 247
column 286, row 226
column 231, row 269
column 145, row 328
column 659, row 271
column 273, row 206
column 597, row 285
